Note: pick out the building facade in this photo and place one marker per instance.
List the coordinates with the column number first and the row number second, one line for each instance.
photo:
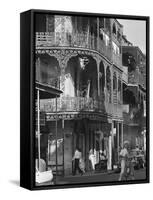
column 82, row 56
column 134, row 96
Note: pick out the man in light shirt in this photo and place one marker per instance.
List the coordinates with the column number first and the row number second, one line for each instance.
column 123, row 156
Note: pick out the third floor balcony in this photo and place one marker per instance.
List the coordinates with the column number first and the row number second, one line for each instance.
column 76, row 40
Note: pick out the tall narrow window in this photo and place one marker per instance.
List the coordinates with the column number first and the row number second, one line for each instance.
column 119, row 90
column 108, row 83
column 114, row 88
column 114, row 81
column 102, row 78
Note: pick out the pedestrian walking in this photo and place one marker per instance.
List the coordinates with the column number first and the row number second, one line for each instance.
column 129, row 171
column 123, row 160
column 76, row 159
column 127, row 167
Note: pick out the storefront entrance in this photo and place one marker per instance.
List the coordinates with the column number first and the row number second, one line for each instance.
column 55, row 152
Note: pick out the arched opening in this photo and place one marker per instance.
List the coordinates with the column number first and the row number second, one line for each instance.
column 108, row 83
column 81, row 72
column 48, row 70
column 101, row 78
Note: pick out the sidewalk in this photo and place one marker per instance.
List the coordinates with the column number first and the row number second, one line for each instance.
column 97, row 177
column 92, row 173
column 87, row 177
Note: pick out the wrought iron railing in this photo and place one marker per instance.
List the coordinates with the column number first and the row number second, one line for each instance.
column 115, row 100
column 72, row 104
column 81, row 40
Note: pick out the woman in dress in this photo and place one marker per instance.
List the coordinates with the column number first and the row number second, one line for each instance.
column 92, row 159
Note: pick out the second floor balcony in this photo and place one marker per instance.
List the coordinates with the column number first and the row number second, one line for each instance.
column 74, row 104
column 80, row 105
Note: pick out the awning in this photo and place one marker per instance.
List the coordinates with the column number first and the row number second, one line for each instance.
column 47, row 91
column 44, row 91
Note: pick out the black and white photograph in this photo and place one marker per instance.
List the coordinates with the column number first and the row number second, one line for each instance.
column 90, row 99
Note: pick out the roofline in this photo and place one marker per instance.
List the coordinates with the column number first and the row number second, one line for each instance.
column 118, row 23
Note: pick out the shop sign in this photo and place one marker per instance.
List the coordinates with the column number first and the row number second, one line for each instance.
column 52, row 117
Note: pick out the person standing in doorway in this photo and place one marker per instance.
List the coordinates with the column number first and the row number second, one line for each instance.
column 76, row 158
column 92, row 158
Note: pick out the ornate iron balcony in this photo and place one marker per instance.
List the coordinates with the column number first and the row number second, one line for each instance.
column 78, row 40
column 76, row 104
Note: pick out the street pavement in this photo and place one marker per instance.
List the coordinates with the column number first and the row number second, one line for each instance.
column 98, row 177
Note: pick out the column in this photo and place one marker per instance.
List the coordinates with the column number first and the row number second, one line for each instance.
column 122, row 136
column 98, row 66
column 112, row 141
column 118, row 140
column 62, row 80
column 98, row 33
column 63, row 60
column 109, row 163
column 105, row 86
column 86, row 123
column 117, row 89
